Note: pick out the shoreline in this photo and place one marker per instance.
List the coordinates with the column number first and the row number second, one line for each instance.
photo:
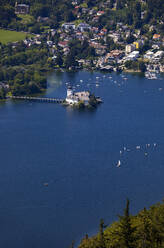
column 132, row 72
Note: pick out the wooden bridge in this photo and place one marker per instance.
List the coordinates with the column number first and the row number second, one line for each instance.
column 37, row 99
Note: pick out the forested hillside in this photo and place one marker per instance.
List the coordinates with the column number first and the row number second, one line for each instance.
column 145, row 230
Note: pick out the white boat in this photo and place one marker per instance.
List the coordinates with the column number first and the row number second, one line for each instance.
column 150, row 75
column 119, row 163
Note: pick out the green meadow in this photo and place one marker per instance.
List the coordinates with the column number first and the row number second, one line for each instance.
column 7, row 36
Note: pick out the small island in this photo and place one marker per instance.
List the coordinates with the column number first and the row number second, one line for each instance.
column 81, row 99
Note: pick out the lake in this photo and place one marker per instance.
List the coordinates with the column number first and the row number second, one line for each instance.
column 58, row 172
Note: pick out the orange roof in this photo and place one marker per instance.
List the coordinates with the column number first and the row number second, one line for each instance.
column 156, row 36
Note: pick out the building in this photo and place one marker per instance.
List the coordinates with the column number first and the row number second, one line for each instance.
column 158, row 55
column 130, row 48
column 149, row 55
column 21, row 9
column 132, row 56
column 76, row 97
column 100, row 13
column 43, row 19
column 115, row 54
column 138, row 44
column 63, row 44
column 156, row 36
column 69, row 26
column 84, row 27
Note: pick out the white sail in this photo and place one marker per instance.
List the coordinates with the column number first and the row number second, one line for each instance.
column 119, row 163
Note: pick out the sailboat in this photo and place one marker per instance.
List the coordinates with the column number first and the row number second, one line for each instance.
column 119, row 163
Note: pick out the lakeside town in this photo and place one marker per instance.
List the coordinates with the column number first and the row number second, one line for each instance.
column 131, row 45
column 86, row 40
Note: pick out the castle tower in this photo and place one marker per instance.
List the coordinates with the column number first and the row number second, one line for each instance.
column 69, row 92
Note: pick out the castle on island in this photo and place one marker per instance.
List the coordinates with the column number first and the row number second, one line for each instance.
column 83, row 97
column 76, row 97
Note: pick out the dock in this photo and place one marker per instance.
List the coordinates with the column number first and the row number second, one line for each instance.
column 37, row 99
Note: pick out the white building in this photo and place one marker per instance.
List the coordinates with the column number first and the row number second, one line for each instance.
column 71, row 98
column 158, row 54
column 132, row 56
column 69, row 26
column 75, row 97
column 149, row 55
column 130, row 48
column 84, row 27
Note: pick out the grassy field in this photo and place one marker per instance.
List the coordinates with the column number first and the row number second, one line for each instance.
column 7, row 36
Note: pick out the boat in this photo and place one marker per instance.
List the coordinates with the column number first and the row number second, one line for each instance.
column 119, row 163
column 150, row 75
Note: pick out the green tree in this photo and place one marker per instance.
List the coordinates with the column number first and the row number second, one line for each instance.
column 101, row 234
column 70, row 61
column 145, row 230
column 142, row 66
column 2, row 93
column 126, row 230
column 59, row 60
column 93, row 104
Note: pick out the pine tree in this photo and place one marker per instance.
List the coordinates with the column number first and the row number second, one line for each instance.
column 101, row 233
column 126, row 230
column 145, row 229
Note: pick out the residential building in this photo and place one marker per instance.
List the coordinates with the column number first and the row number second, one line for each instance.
column 21, row 8
column 83, row 27
column 69, row 26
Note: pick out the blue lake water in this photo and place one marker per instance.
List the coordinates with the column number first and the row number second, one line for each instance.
column 76, row 153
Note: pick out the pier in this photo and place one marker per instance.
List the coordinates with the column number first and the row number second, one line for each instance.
column 37, row 99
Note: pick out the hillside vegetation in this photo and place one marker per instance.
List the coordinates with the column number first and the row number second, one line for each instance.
column 58, row 11
column 144, row 230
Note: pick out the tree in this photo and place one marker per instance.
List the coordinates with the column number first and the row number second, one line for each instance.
column 69, row 17
column 144, row 230
column 72, row 244
column 101, row 233
column 126, row 230
column 59, row 60
column 81, row 105
column 2, row 93
column 93, row 103
column 70, row 61
column 142, row 66
column 130, row 39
